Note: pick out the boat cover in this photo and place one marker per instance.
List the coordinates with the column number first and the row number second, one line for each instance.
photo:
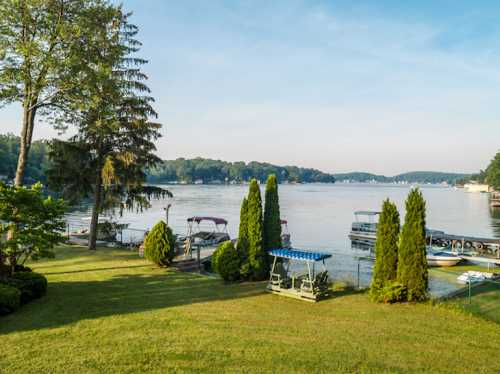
column 217, row 221
column 366, row 213
column 300, row 255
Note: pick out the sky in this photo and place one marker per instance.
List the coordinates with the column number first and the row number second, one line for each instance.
column 383, row 86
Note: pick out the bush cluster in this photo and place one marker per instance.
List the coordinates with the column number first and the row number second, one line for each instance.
column 10, row 299
column 159, row 246
column 21, row 288
column 400, row 271
column 388, row 293
column 226, row 262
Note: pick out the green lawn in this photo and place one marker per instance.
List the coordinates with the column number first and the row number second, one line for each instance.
column 110, row 311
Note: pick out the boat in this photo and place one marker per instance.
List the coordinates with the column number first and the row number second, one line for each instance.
column 203, row 236
column 285, row 235
column 366, row 230
column 107, row 229
column 473, row 277
column 442, row 259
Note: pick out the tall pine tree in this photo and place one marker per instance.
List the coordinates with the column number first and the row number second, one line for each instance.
column 242, row 245
column 412, row 263
column 272, row 221
column 386, row 247
column 258, row 258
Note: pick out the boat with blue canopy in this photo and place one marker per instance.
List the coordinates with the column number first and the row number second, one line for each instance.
column 309, row 285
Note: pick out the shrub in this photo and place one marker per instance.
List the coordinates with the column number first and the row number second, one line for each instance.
column 10, row 299
column 31, row 285
column 227, row 261
column 215, row 258
column 412, row 263
column 242, row 245
column 5, row 270
column 272, row 221
column 391, row 292
column 159, row 246
column 258, row 257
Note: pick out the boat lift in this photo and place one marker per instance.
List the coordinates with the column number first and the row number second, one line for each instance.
column 310, row 286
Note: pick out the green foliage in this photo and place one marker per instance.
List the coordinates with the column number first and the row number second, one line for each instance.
column 31, row 285
column 272, row 220
column 115, row 141
column 493, row 173
column 258, row 257
column 37, row 163
column 388, row 293
column 226, row 261
column 242, row 246
column 386, row 247
column 10, row 299
column 159, row 246
column 184, row 170
column 40, row 61
column 34, row 223
column 412, row 263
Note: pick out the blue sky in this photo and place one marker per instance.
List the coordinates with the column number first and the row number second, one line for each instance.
column 380, row 86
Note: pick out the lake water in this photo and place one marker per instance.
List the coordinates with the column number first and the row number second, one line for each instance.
column 320, row 215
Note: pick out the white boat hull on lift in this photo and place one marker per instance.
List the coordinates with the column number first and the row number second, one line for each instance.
column 442, row 259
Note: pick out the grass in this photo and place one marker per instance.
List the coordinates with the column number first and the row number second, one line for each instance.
column 110, row 311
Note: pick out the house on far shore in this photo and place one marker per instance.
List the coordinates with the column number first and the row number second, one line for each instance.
column 477, row 187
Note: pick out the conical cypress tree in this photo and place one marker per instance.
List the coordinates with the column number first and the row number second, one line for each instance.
column 242, row 245
column 412, row 263
column 386, row 247
column 258, row 258
column 272, row 221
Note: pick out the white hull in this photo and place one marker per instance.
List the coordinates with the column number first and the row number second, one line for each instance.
column 363, row 236
column 442, row 261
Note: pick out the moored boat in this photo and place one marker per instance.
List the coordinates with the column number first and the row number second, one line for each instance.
column 442, row 259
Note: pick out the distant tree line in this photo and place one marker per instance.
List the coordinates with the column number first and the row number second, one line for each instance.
column 37, row 164
column 411, row 177
column 491, row 175
column 207, row 170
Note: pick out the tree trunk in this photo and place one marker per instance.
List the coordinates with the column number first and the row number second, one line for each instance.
column 95, row 210
column 29, row 112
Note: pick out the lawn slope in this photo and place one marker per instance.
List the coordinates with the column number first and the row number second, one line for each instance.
column 110, row 311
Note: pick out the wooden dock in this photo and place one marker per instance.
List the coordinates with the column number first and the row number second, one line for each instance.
column 471, row 248
column 195, row 259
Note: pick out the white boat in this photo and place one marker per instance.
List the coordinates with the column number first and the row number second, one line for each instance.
column 442, row 259
column 473, row 277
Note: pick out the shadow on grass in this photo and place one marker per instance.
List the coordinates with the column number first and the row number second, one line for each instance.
column 91, row 270
column 69, row 302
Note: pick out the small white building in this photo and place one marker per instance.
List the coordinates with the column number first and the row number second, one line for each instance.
column 476, row 187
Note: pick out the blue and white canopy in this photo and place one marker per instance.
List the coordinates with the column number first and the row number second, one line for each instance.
column 300, row 255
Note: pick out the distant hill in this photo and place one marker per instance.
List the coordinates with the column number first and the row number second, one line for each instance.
column 410, row 177
column 201, row 170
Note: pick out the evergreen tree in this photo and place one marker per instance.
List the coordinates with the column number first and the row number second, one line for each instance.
column 272, row 221
column 258, row 258
column 159, row 245
column 242, row 245
column 112, row 111
column 386, row 247
column 412, row 263
column 493, row 173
